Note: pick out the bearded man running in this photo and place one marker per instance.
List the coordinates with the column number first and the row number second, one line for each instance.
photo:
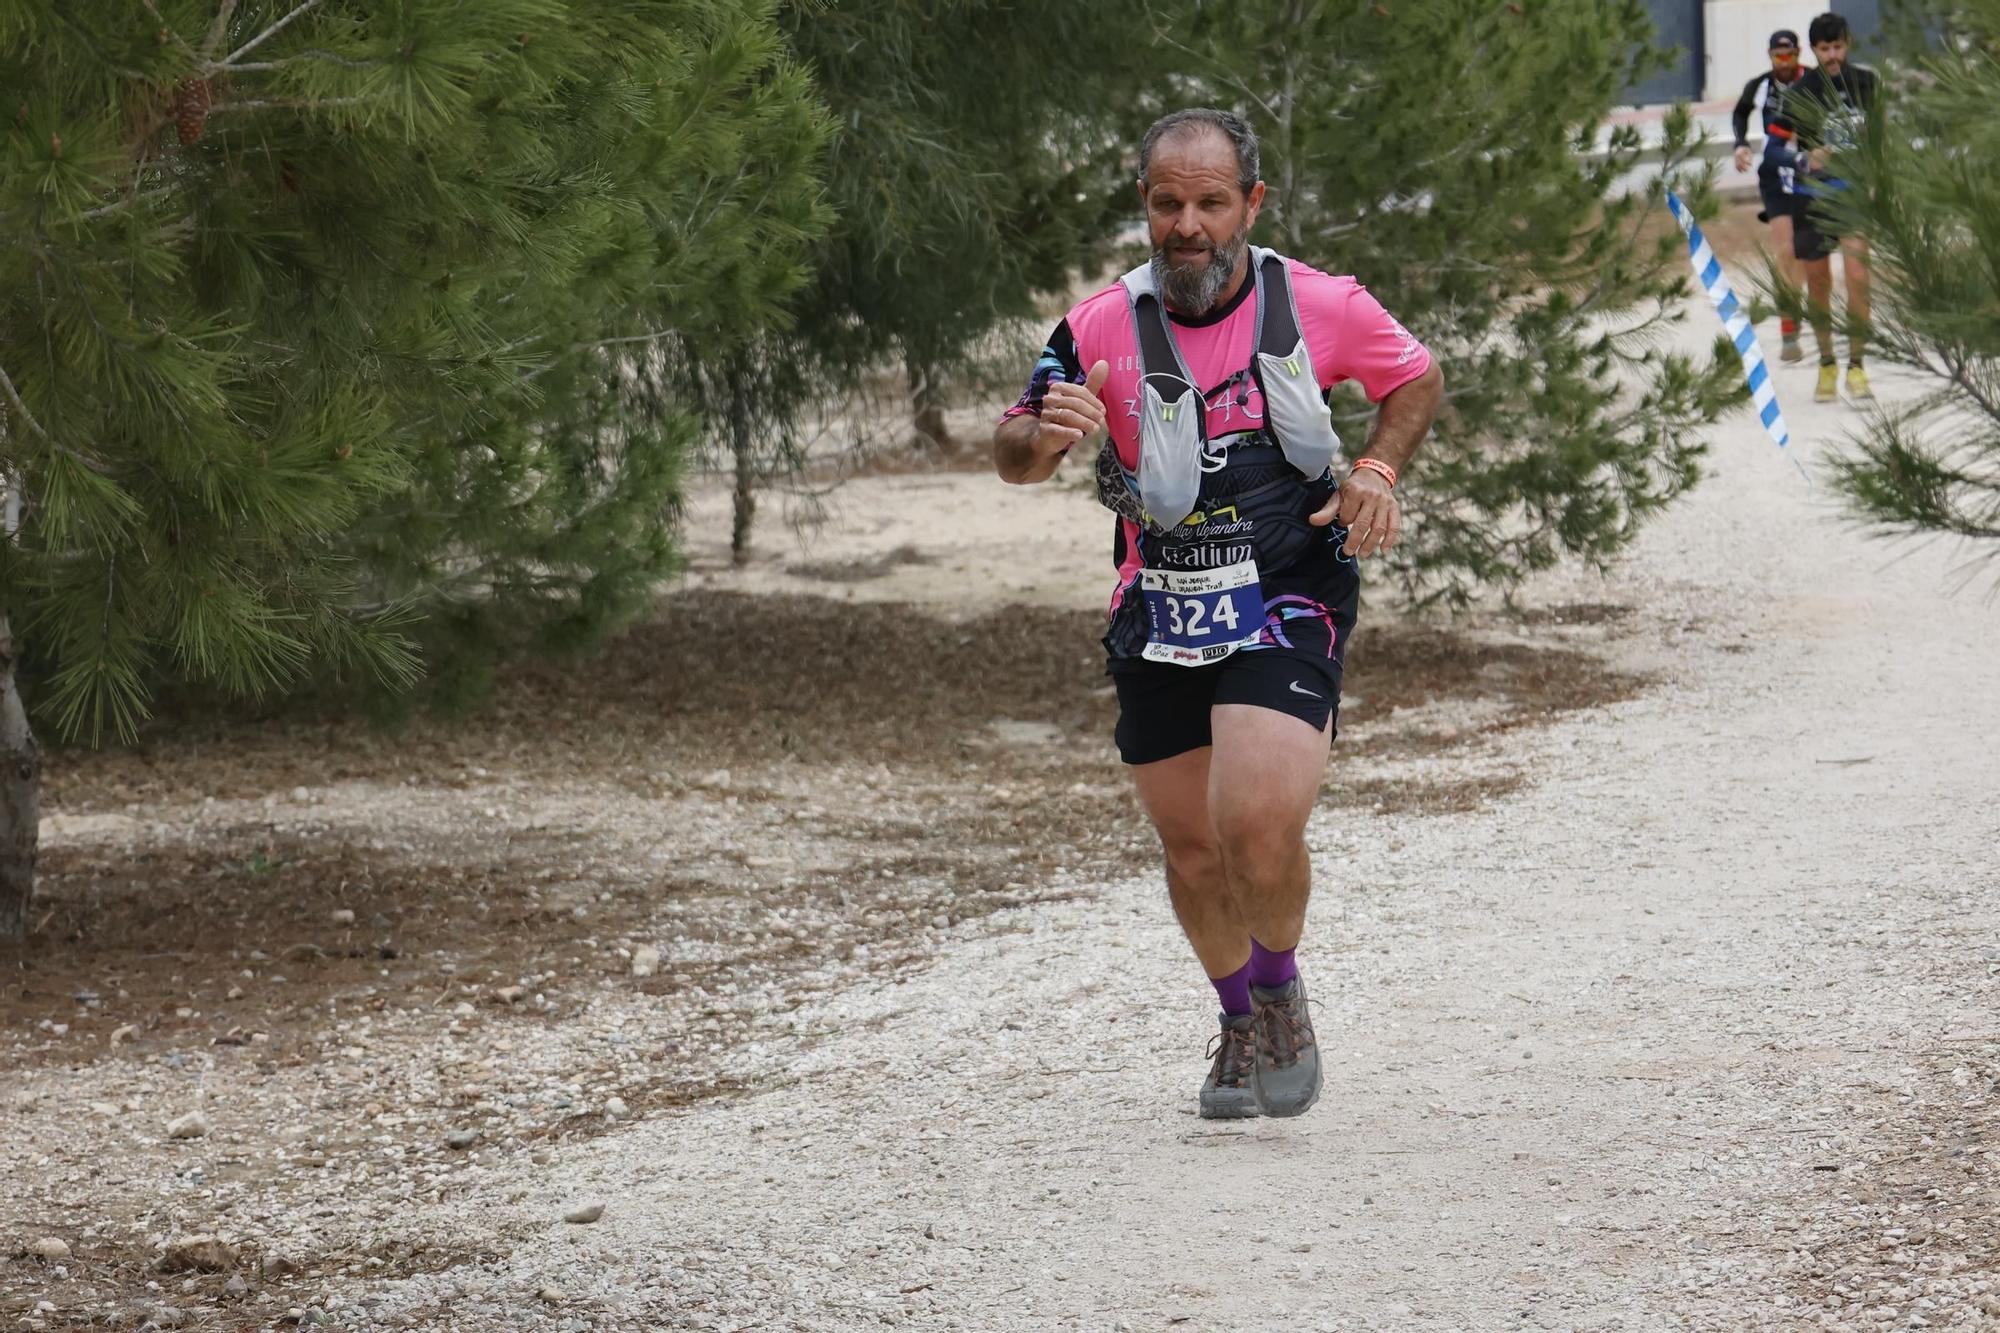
column 1239, row 528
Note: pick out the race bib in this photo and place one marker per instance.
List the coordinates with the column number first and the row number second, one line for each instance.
column 1197, row 616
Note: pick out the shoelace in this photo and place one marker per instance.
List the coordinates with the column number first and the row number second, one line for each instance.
column 1235, row 1054
column 1288, row 1036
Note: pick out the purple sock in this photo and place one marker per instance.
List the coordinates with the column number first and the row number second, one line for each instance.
column 1271, row 968
column 1234, row 991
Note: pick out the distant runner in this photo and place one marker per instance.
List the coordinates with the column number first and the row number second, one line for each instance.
column 1824, row 112
column 1764, row 95
column 1239, row 528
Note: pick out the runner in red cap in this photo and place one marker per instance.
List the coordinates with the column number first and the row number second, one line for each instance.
column 1776, row 176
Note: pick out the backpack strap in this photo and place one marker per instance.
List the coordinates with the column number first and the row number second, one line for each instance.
column 1277, row 309
column 1159, row 354
column 1294, row 407
column 1173, row 431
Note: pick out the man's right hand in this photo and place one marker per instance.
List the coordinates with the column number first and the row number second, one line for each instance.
column 1072, row 412
column 1743, row 157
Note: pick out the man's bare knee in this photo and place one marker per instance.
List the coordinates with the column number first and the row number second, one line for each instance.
column 1195, row 858
column 1257, row 849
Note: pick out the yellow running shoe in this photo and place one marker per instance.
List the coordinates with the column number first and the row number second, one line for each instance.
column 1829, row 384
column 1857, row 383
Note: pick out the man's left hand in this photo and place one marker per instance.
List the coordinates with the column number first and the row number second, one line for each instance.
column 1367, row 508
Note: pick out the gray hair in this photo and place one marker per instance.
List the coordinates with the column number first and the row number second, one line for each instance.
column 1228, row 124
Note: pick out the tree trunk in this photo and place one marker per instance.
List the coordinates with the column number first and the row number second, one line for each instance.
column 926, row 408
column 20, row 798
column 20, row 769
column 741, row 445
column 1288, row 214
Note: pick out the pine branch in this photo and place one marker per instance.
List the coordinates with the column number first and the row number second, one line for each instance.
column 1958, row 372
column 1629, row 245
column 280, row 104
column 14, row 397
column 256, row 66
column 168, row 28
column 627, row 339
column 127, row 202
column 218, row 30
column 1161, row 35
column 263, row 36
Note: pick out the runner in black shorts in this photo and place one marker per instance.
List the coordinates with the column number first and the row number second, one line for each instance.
column 1239, row 528
column 1294, row 668
column 1776, row 172
column 1825, row 111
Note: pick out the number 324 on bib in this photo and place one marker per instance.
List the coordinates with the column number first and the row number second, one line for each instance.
column 1199, row 616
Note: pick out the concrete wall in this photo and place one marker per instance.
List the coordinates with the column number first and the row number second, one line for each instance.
column 1677, row 26
column 1737, row 30
column 1737, row 33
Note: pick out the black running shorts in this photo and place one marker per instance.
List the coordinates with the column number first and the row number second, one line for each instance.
column 1775, row 192
column 1163, row 708
column 1310, row 591
column 1812, row 234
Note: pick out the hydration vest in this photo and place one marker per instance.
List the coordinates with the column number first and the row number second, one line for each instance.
column 1173, row 414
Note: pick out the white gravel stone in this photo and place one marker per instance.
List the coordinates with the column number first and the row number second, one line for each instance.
column 193, row 1125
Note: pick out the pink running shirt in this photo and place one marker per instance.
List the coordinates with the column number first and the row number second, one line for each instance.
column 1349, row 334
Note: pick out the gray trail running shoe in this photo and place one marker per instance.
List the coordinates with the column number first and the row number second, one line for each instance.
column 1287, row 1073
column 1225, row 1093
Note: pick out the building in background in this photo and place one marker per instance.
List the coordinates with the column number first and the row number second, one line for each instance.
column 1722, row 42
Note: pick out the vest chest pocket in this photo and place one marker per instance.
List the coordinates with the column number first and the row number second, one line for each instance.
column 1170, row 459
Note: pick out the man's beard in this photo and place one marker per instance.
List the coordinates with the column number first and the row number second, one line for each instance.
column 1193, row 289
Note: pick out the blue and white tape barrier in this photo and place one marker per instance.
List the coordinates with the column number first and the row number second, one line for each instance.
column 1708, row 272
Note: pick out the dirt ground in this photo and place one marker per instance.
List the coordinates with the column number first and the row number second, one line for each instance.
column 814, row 934
column 296, row 923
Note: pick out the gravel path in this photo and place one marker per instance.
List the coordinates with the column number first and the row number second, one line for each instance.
column 1692, row 1028
column 1693, row 1031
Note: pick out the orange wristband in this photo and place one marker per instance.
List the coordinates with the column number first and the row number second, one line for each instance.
column 1377, row 466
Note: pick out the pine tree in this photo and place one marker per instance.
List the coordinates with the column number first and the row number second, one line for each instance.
column 970, row 174
column 319, row 317
column 1443, row 153
column 545, row 518
column 1925, row 192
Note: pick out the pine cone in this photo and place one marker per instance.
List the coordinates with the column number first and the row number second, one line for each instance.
column 191, row 102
